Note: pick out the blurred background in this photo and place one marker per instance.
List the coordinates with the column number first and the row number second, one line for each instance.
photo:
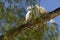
column 12, row 14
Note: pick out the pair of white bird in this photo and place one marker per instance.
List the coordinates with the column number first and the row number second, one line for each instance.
column 39, row 11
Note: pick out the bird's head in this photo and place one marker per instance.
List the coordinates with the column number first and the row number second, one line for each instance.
column 29, row 8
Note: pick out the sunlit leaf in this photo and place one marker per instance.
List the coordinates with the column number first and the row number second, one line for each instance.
column 7, row 26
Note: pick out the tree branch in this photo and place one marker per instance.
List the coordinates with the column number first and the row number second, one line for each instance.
column 41, row 20
column 52, row 14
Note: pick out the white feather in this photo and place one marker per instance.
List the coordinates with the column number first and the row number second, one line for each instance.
column 28, row 16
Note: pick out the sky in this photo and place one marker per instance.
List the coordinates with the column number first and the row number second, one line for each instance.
column 51, row 5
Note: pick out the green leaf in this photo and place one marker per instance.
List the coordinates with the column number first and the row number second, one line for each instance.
column 7, row 26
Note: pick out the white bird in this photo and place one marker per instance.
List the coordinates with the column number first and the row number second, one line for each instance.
column 38, row 9
column 28, row 15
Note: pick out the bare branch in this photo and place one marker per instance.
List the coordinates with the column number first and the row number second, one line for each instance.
column 52, row 14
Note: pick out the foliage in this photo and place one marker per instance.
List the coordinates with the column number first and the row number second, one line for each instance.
column 12, row 14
